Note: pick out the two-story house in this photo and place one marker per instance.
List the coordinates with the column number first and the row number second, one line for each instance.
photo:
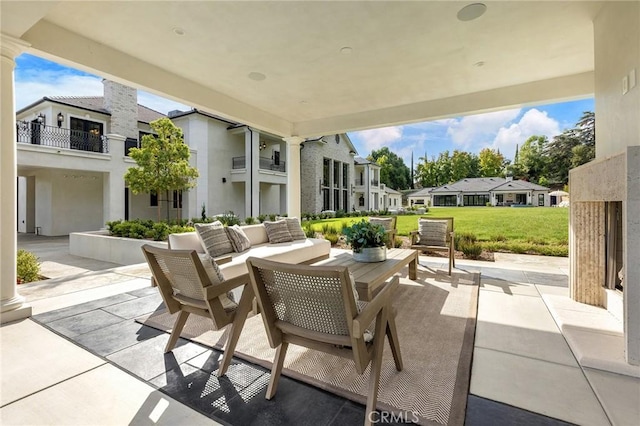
column 367, row 191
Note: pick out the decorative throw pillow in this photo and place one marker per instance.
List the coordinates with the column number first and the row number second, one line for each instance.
column 386, row 222
column 432, row 232
column 295, row 229
column 214, row 238
column 238, row 238
column 278, row 231
column 216, row 277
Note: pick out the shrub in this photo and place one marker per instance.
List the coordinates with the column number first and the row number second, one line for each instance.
column 159, row 232
column 261, row 218
column 397, row 243
column 498, row 237
column 332, row 238
column 328, row 229
column 27, row 267
column 249, row 221
column 309, row 232
column 471, row 250
column 462, row 238
column 272, row 217
column 229, row 219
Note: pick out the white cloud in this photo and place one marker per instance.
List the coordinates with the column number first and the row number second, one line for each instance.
column 533, row 122
column 377, row 138
column 34, row 86
column 468, row 131
column 160, row 104
column 46, row 83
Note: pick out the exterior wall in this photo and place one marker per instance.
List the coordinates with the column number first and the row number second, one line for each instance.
column 62, row 195
column 122, row 102
column 311, row 162
column 270, row 199
column 615, row 174
column 617, row 53
column 421, row 201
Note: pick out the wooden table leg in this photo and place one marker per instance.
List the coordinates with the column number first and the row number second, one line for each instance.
column 413, row 268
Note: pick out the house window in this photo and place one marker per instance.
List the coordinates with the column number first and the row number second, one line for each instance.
column 177, row 199
column 445, row 200
column 86, row 135
column 345, row 200
column 345, row 175
column 475, row 200
column 336, row 174
column 326, row 172
column 153, row 199
column 521, row 199
column 500, row 199
column 361, row 201
column 325, row 199
column 128, row 144
column 336, row 199
column 540, row 199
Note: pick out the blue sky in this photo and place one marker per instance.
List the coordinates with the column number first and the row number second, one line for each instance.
column 36, row 77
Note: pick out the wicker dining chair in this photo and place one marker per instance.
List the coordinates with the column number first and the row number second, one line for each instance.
column 317, row 307
column 435, row 234
column 189, row 287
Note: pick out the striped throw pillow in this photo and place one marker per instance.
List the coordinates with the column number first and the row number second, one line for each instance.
column 432, row 232
column 278, row 231
column 214, row 238
column 238, row 238
column 295, row 229
column 215, row 276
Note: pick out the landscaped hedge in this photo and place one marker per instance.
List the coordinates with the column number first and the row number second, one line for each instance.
column 141, row 228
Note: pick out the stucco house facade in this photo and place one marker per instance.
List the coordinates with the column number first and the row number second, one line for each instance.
column 367, row 191
column 496, row 191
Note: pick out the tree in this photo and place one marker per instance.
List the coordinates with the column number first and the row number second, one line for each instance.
column 491, row 162
column 464, row 165
column 532, row 158
column 162, row 163
column 393, row 172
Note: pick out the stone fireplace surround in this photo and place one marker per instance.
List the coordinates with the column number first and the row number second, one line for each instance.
column 615, row 178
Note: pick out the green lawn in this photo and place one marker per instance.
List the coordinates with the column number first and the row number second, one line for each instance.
column 540, row 230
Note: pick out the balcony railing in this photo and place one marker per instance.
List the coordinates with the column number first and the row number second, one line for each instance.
column 56, row 137
column 375, row 182
column 264, row 164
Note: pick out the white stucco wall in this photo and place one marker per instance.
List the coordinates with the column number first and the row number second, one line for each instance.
column 617, row 54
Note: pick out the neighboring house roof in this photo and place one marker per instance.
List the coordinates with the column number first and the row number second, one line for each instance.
column 391, row 191
column 488, row 184
column 177, row 114
column 424, row 192
column 471, row 185
column 321, row 139
column 359, row 161
column 520, row 185
column 95, row 104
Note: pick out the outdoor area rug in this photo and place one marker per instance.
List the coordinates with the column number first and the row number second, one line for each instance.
column 436, row 318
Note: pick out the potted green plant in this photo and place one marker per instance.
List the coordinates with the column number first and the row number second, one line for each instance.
column 368, row 241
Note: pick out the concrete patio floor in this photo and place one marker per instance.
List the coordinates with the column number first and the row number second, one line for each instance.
column 524, row 370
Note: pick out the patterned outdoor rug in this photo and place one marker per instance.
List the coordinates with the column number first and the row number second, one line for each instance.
column 436, row 318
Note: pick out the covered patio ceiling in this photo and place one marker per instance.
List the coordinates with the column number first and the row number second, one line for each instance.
column 313, row 68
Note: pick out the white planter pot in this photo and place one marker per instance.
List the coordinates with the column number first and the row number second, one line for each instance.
column 371, row 254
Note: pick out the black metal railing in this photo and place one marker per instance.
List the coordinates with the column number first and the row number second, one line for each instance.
column 264, row 164
column 375, row 182
column 57, row 137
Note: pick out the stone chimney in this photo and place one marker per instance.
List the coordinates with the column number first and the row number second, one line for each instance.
column 122, row 102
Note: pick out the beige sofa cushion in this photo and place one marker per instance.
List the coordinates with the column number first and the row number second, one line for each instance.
column 299, row 251
column 185, row 241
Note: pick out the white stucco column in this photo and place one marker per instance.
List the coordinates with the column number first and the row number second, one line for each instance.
column 113, row 182
column 293, row 175
column 253, row 173
column 12, row 305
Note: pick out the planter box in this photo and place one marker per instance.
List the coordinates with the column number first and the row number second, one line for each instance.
column 100, row 246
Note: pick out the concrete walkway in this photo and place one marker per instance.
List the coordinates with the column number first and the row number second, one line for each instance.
column 521, row 357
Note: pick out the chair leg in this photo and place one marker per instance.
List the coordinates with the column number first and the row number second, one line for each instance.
column 392, row 335
column 276, row 370
column 376, row 366
column 177, row 329
column 236, row 328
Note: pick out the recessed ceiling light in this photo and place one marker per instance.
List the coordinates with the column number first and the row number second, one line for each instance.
column 346, row 50
column 257, row 76
column 303, row 102
column 479, row 64
column 178, row 31
column 472, row 11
